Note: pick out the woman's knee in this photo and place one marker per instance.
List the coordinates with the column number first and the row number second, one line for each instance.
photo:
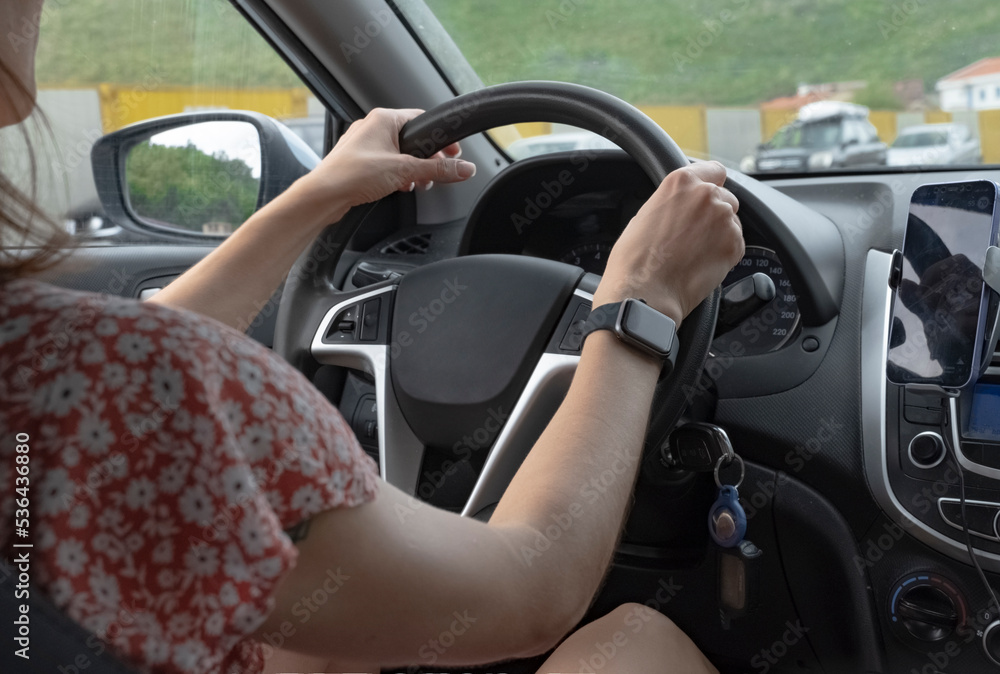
column 639, row 621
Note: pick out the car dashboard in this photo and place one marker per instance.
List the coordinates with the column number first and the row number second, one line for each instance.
column 799, row 388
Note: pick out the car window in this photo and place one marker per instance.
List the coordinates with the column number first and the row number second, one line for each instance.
column 101, row 68
column 725, row 77
column 852, row 132
column 821, row 134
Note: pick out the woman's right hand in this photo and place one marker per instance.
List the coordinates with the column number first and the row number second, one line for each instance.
column 679, row 246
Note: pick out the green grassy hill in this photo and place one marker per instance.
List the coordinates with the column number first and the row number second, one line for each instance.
column 719, row 52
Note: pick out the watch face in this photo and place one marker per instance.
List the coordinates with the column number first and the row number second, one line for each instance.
column 648, row 327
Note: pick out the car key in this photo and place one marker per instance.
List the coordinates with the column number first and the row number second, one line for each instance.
column 698, row 447
column 727, row 521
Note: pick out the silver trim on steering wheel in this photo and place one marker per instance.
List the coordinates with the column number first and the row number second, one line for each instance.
column 401, row 452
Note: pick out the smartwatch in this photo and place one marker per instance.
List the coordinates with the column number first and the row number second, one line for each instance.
column 638, row 325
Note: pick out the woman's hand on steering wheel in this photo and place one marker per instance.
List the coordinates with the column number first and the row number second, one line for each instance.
column 679, row 246
column 366, row 165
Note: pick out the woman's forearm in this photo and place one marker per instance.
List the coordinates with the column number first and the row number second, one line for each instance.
column 572, row 491
column 237, row 279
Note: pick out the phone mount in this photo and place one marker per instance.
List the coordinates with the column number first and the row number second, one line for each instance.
column 991, row 277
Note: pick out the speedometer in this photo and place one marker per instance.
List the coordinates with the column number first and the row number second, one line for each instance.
column 593, row 257
column 773, row 325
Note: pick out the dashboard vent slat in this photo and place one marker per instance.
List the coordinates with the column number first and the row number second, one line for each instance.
column 416, row 244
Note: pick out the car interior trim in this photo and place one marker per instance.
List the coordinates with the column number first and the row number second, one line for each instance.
column 542, row 395
column 875, row 316
column 400, row 452
column 548, row 383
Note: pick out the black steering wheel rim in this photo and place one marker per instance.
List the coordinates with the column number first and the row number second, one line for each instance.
column 309, row 288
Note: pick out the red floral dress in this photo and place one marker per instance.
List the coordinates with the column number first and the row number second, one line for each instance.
column 167, row 455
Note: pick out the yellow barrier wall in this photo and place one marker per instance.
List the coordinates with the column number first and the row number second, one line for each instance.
column 936, row 117
column 772, row 120
column 989, row 135
column 686, row 124
column 884, row 122
column 121, row 106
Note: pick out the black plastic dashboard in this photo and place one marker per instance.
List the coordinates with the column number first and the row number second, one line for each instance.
column 796, row 411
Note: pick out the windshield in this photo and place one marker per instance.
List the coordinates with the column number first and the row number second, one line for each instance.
column 724, row 76
column 922, row 139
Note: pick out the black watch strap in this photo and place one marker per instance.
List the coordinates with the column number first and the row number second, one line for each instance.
column 638, row 325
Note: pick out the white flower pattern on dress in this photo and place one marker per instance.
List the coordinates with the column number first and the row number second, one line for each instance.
column 169, row 453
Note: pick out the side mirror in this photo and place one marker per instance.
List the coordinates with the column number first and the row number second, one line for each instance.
column 201, row 173
column 847, row 143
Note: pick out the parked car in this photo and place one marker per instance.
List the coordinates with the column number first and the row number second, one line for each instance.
column 935, row 144
column 826, row 134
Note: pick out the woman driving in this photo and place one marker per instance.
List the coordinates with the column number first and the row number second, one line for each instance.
column 199, row 506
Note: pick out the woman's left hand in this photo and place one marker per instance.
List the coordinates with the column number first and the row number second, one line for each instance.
column 366, row 164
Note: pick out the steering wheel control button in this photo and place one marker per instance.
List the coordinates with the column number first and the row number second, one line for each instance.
column 343, row 327
column 368, row 273
column 981, row 516
column 926, row 450
column 370, row 320
column 926, row 608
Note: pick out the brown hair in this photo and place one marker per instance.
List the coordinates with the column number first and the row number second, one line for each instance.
column 35, row 241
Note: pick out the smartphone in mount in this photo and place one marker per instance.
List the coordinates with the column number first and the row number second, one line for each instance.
column 940, row 304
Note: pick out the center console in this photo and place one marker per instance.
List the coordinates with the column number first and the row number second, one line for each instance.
column 908, row 435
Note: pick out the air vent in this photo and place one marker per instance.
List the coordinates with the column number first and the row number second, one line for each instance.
column 411, row 245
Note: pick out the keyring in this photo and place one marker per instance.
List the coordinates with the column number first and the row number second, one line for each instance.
column 718, row 465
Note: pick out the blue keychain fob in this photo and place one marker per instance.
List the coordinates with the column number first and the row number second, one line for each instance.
column 727, row 521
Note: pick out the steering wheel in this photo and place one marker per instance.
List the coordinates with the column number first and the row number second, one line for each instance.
column 474, row 352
